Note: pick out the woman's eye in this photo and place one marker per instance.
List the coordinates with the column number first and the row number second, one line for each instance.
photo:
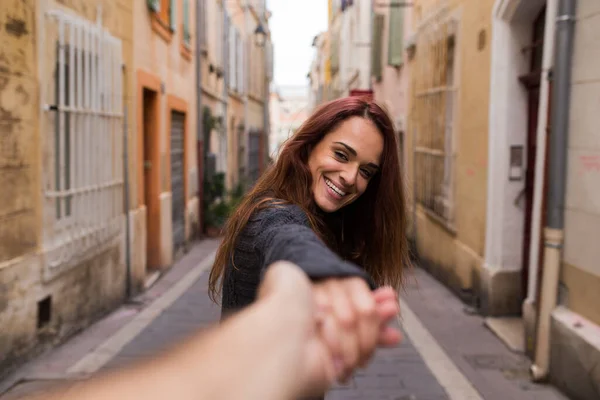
column 341, row 155
column 366, row 173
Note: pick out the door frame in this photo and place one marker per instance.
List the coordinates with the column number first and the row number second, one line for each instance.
column 152, row 83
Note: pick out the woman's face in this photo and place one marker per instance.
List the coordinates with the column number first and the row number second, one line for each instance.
column 343, row 163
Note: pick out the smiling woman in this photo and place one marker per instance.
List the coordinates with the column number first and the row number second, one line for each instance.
column 340, row 172
column 332, row 204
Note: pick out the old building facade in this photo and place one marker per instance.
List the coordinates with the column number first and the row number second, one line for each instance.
column 66, row 83
column 165, row 192
column 103, row 148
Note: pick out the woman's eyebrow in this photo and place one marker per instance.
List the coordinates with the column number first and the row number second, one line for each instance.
column 351, row 150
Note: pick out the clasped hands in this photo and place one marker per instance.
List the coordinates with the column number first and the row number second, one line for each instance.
column 342, row 323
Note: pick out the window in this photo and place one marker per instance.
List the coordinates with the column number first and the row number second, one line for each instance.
column 164, row 20
column 84, row 130
column 433, row 120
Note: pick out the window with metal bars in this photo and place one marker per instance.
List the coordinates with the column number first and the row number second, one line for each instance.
column 84, row 123
column 433, row 122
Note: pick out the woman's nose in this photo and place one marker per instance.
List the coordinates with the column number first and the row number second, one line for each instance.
column 348, row 175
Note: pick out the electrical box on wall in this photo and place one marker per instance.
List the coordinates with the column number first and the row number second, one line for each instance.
column 515, row 172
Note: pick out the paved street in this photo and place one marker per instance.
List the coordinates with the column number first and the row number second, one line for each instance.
column 446, row 354
column 395, row 374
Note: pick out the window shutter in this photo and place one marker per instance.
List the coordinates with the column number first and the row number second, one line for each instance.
column 396, row 38
column 186, row 22
column 335, row 55
column 202, row 22
column 154, row 5
column 241, row 64
column 376, row 68
column 172, row 15
column 232, row 58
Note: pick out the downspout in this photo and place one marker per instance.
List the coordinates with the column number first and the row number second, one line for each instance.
column 126, row 189
column 540, row 157
column 246, row 82
column 126, row 206
column 200, row 150
column 554, row 231
column 225, row 60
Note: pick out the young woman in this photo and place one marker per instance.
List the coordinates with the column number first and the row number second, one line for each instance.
column 333, row 204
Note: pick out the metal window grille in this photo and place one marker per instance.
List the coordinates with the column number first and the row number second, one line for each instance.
column 83, row 178
column 433, row 120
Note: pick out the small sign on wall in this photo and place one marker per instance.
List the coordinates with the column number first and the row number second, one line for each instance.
column 515, row 172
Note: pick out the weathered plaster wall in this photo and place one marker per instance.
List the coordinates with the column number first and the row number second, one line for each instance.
column 82, row 293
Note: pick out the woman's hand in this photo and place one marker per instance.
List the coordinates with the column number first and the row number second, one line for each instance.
column 353, row 320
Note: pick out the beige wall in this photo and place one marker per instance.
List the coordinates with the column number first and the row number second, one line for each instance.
column 19, row 143
column 457, row 251
column 96, row 282
column 581, row 268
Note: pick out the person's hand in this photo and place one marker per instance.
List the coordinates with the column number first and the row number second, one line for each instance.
column 288, row 293
column 353, row 321
column 332, row 326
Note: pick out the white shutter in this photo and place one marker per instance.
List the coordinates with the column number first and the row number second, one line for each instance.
column 241, row 64
column 232, row 57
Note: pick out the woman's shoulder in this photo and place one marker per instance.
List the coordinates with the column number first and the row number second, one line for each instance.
column 275, row 210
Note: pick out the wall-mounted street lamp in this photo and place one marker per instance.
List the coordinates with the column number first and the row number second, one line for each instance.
column 260, row 35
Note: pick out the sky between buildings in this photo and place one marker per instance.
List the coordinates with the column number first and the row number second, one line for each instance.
column 294, row 24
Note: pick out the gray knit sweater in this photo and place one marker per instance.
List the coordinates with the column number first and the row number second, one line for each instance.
column 273, row 234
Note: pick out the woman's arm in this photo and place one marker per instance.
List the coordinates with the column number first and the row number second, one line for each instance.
column 283, row 233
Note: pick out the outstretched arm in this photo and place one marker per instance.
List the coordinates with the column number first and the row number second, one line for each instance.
column 273, row 350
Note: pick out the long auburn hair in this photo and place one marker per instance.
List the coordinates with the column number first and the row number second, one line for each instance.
column 369, row 232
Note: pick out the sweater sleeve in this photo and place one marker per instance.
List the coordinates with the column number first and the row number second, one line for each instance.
column 284, row 233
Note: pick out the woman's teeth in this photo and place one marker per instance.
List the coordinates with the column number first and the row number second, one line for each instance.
column 334, row 188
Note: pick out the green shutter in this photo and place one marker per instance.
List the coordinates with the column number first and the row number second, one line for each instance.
column 376, row 44
column 396, row 38
column 334, row 51
column 154, row 5
column 172, row 15
column 186, row 22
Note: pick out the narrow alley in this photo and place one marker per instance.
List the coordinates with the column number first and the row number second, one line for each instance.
column 447, row 353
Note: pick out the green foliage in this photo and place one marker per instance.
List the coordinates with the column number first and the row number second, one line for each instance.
column 218, row 204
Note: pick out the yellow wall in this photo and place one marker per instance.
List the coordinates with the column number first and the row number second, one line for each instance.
column 19, row 140
column 93, row 285
column 581, row 269
column 458, row 252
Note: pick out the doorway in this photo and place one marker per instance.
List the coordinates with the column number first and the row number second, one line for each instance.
column 531, row 82
column 151, row 176
column 177, row 181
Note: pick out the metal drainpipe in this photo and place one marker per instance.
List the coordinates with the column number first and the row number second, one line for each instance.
column 199, row 116
column 553, row 233
column 126, row 205
column 246, row 83
column 126, row 188
column 225, row 61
